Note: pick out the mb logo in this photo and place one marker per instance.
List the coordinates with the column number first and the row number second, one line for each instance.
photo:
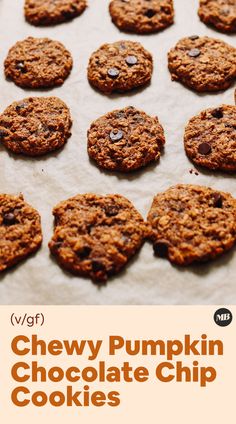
column 223, row 317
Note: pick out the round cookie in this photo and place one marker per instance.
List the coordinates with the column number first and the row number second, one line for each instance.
column 219, row 13
column 142, row 16
column 95, row 235
column 20, row 230
column 35, row 126
column 210, row 138
column 192, row 224
column 203, row 63
column 120, row 67
column 38, row 63
column 52, row 12
column 125, row 140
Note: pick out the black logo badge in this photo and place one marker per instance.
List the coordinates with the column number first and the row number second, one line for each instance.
column 223, row 317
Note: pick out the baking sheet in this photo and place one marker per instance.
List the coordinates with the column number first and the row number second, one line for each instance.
column 48, row 180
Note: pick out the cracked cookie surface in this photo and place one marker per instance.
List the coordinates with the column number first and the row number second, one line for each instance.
column 192, row 224
column 38, row 63
column 35, row 126
column 125, row 140
column 219, row 13
column 142, row 16
column 95, row 235
column 203, row 63
column 120, row 67
column 210, row 138
column 20, row 230
column 52, row 12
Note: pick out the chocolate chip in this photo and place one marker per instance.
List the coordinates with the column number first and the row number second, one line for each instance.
column 98, row 266
column 150, row 13
column 194, row 53
column 204, row 149
column 113, row 72
column 21, row 67
column 111, row 210
column 131, row 60
column 194, row 37
column 20, row 106
column 161, row 248
column 116, row 135
column 9, row 219
column 217, row 200
column 3, row 134
column 217, row 113
column 84, row 252
column 57, row 245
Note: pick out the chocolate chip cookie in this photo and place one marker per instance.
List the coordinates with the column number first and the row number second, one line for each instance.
column 35, row 126
column 210, row 138
column 120, row 66
column 192, row 224
column 95, row 235
column 142, row 16
column 203, row 63
column 219, row 13
column 52, row 12
column 38, row 63
column 20, row 230
column 125, row 140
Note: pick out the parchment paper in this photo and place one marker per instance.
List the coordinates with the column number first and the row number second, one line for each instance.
column 48, row 180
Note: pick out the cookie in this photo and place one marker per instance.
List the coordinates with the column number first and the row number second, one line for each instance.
column 38, row 63
column 219, row 13
column 52, row 12
column 203, row 63
column 210, row 138
column 142, row 16
column 125, row 140
column 20, row 230
column 192, row 224
column 35, row 126
column 120, row 66
column 95, row 235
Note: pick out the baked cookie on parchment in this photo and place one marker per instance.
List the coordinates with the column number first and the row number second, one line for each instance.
column 142, row 16
column 203, row 63
column 210, row 138
column 96, row 235
column 52, row 12
column 120, row 67
column 219, row 13
column 192, row 224
column 20, row 230
column 38, row 63
column 125, row 140
column 35, row 126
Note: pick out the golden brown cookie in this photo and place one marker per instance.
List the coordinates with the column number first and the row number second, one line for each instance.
column 125, row 140
column 52, row 12
column 192, row 224
column 219, row 13
column 38, row 63
column 203, row 63
column 35, row 126
column 142, row 16
column 95, row 235
column 120, row 66
column 20, row 230
column 210, row 138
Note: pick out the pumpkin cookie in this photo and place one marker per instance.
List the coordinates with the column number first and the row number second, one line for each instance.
column 95, row 236
column 38, row 63
column 52, row 12
column 20, row 230
column 125, row 140
column 120, row 66
column 192, row 224
column 219, row 13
